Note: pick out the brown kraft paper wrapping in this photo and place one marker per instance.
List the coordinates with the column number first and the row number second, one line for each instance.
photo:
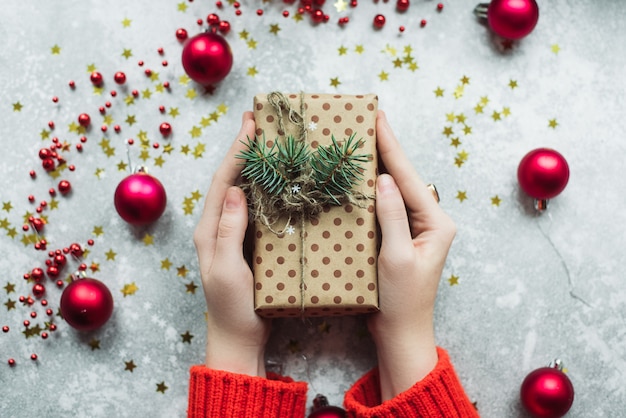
column 339, row 273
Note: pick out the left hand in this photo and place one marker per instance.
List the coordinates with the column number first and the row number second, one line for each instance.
column 236, row 334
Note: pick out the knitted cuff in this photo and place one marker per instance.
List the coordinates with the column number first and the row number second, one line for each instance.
column 216, row 393
column 438, row 395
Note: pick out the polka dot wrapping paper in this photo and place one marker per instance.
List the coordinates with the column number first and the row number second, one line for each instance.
column 326, row 265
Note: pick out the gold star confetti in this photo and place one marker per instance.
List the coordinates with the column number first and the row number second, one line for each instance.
column 484, row 100
column 126, row 22
column 297, row 17
column 182, row 6
column 342, row 50
column 32, row 331
column 463, row 155
column 159, row 161
column 397, row 63
column 166, row 264
column 7, row 206
column 252, row 71
column 130, row 120
column 129, row 365
column 195, row 132
column 99, row 172
column 184, row 79
column 98, row 90
column 454, row 142
column 110, row 255
column 199, row 150
column 506, row 111
column 91, row 68
column 334, row 82
column 94, row 267
column 10, row 304
column 17, row 107
column 513, row 84
column 447, row 131
column 465, row 80
column 129, row 289
column 44, row 134
column 184, row 149
column 251, row 44
column 56, row 50
column 191, row 288
column 173, row 112
column 97, row 231
column 10, row 287
column 127, row 53
column 461, row 195
column 459, row 91
column 460, row 118
column 413, row 67
column 148, row 239
column 186, row 337
column 94, row 344
column 243, row 34
column 495, row 201
column 274, row 28
column 453, row 280
column 450, row 117
column 182, row 271
column 359, row 49
column 191, row 94
column 478, row 109
column 555, row 48
column 459, row 162
column 161, row 387
column 383, row 76
column 467, row 130
column 552, row 123
column 495, row 116
column 154, row 76
column 340, row 5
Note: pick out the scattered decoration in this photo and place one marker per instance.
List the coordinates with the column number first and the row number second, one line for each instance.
column 547, row 392
column 510, row 19
column 207, row 58
column 543, row 173
column 86, row 304
column 140, row 198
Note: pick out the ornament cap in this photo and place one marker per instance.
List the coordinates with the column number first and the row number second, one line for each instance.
column 557, row 363
column 541, row 204
column 480, row 11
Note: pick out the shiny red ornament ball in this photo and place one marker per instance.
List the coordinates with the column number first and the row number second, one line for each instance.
column 39, row 290
column 96, row 78
column 84, row 120
column 512, row 19
column 213, row 19
column 543, row 173
column 181, row 34
column 321, row 409
column 86, row 304
column 207, row 58
column 547, row 393
column 140, row 199
column 379, row 21
column 119, row 77
column 65, row 187
column 224, row 27
column 402, row 5
column 166, row 129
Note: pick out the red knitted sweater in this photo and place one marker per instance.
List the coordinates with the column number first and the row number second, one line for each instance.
column 215, row 393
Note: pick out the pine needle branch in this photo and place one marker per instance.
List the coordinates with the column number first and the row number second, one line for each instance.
column 262, row 166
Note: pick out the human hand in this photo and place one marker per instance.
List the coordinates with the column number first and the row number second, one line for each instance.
column 236, row 334
column 416, row 237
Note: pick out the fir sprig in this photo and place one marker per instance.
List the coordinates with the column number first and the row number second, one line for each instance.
column 262, row 165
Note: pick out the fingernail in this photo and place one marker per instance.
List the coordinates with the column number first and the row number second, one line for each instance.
column 233, row 198
column 386, row 184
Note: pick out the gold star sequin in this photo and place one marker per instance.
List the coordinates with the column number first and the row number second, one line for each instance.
column 166, row 264
column 461, row 195
column 184, row 79
column 7, row 206
column 252, row 71
column 191, row 94
column 10, row 287
column 161, row 387
column 397, row 63
column 159, row 161
column 359, row 49
column 297, row 17
column 199, row 150
column 513, row 84
column 126, row 22
column 438, row 92
column 94, row 267
column 555, row 48
column 454, row 142
column 129, row 365
column 495, row 201
column 17, row 107
column 129, row 289
column 130, row 120
column 459, row 91
column 97, row 231
column 251, row 43
column 148, row 239
column 56, row 50
column 334, row 82
column 186, row 337
column 460, row 118
column 191, row 288
column 342, row 50
column 274, row 28
column 552, row 123
column 465, row 80
column 383, row 76
column 478, row 109
column 181, row 271
column 110, row 255
column 173, row 112
column 127, row 53
column 184, row 149
column 91, row 68
column 453, row 280
column 447, row 131
column 340, row 5
column 495, row 116
column 413, row 67
column 467, row 130
column 243, row 34
column 195, row 132
column 506, row 111
column 10, row 304
column 94, row 344
column 182, row 6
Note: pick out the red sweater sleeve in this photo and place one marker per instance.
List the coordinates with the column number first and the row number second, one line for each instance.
column 216, row 393
column 438, row 395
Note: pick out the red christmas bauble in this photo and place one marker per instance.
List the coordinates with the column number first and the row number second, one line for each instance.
column 207, row 58
column 321, row 409
column 140, row 199
column 402, row 5
column 379, row 21
column 119, row 77
column 84, row 120
column 86, row 304
column 512, row 19
column 543, row 173
column 165, row 128
column 547, row 393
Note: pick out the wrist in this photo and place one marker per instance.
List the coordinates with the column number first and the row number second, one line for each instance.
column 235, row 358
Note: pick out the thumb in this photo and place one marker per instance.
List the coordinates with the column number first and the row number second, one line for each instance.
column 232, row 226
column 392, row 216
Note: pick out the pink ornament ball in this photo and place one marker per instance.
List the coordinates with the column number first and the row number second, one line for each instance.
column 543, row 173
column 140, row 199
column 207, row 58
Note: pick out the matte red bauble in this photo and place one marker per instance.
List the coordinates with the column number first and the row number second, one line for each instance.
column 140, row 199
column 511, row 19
column 86, row 304
column 543, row 173
column 547, row 393
column 207, row 58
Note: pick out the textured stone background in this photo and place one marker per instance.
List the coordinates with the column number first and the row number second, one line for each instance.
column 518, row 289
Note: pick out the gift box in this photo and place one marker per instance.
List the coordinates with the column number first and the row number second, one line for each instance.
column 325, row 264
